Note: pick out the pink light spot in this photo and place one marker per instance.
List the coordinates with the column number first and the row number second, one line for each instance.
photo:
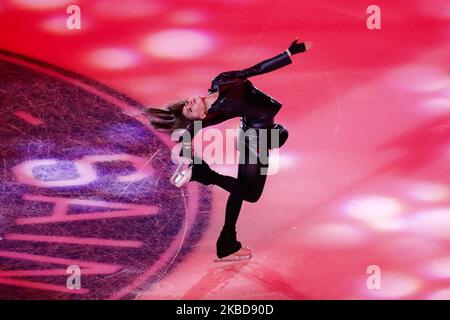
column 178, row 44
column 430, row 192
column 443, row 294
column 437, row 105
column 440, row 268
column 421, row 78
column 113, row 58
column 433, row 223
column 396, row 285
column 378, row 212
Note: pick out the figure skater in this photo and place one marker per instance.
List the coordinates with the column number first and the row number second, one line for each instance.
column 231, row 95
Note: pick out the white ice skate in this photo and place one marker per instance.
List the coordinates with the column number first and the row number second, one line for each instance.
column 182, row 175
column 242, row 254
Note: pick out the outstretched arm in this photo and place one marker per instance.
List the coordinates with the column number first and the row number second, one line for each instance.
column 265, row 66
column 278, row 61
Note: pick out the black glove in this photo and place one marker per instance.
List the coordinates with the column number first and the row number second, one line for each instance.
column 297, row 47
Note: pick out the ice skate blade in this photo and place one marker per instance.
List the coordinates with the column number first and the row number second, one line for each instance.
column 233, row 258
column 180, row 178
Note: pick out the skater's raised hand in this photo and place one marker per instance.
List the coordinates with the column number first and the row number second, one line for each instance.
column 308, row 45
column 296, row 47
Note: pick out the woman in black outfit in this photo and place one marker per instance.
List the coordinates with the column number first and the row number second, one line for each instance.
column 232, row 95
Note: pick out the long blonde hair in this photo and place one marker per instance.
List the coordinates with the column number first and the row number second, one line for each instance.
column 170, row 117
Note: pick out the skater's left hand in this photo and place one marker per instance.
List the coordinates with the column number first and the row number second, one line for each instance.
column 296, row 47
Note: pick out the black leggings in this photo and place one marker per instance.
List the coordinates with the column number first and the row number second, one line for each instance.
column 249, row 184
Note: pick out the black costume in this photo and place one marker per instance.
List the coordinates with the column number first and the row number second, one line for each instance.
column 239, row 98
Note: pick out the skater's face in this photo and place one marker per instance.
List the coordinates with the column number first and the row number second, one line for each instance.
column 195, row 108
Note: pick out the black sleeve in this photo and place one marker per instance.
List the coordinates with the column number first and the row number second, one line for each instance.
column 268, row 65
